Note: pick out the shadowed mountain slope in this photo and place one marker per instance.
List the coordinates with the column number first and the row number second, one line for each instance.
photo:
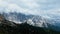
column 9, row 27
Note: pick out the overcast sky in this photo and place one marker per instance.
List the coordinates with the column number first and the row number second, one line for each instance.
column 46, row 8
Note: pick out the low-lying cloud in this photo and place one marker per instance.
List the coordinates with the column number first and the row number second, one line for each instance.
column 45, row 8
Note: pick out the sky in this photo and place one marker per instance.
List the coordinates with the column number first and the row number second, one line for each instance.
column 46, row 8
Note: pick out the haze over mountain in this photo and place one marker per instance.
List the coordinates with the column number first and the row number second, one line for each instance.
column 10, row 27
column 48, row 11
column 33, row 20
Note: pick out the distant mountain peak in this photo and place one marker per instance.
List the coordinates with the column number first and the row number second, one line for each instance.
column 33, row 20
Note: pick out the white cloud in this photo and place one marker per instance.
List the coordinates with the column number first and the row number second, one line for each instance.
column 29, row 7
column 25, row 3
column 3, row 3
column 30, row 3
column 15, row 7
column 46, row 8
column 11, row 6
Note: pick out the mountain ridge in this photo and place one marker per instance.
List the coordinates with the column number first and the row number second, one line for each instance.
column 9, row 27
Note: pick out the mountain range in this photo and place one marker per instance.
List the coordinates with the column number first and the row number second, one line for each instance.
column 12, row 19
column 9, row 27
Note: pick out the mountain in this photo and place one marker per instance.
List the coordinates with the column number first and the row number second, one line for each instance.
column 13, row 16
column 21, row 18
column 9, row 27
column 34, row 20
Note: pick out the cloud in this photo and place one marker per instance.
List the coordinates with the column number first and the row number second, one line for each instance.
column 25, row 3
column 49, row 9
column 12, row 5
column 30, row 3
column 3, row 3
column 45, row 8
